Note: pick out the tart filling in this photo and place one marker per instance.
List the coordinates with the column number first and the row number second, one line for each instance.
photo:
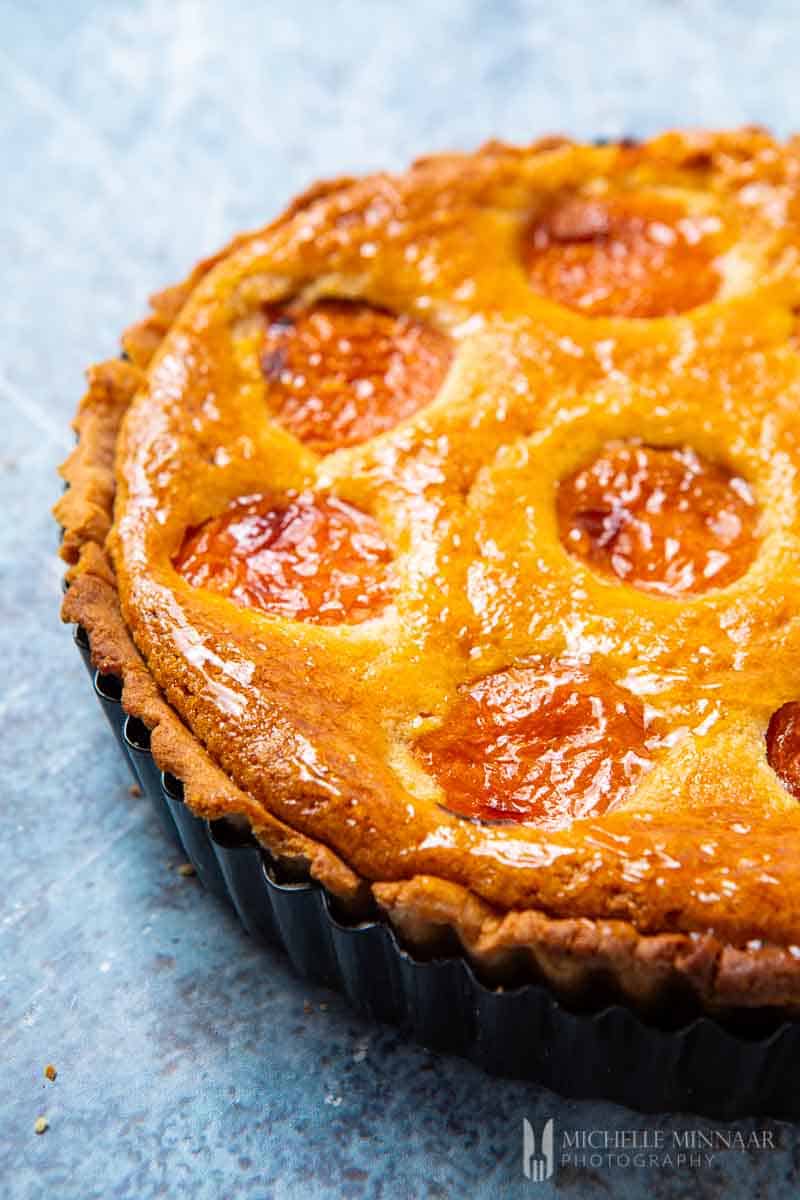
column 448, row 530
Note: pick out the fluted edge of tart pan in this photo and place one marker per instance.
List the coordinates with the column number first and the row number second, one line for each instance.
column 525, row 1032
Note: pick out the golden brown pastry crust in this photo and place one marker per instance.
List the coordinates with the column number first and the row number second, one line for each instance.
column 306, row 732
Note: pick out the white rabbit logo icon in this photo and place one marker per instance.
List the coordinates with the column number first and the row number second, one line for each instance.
column 537, row 1167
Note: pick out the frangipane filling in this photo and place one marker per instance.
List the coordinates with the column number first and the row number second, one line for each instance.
column 545, row 740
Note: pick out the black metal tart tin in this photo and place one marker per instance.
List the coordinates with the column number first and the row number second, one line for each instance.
column 700, row 1066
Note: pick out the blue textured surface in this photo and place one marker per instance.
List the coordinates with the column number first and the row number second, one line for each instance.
column 135, row 137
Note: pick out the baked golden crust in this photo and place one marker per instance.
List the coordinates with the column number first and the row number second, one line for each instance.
column 308, row 731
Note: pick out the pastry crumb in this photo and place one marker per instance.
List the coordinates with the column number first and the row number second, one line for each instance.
column 186, row 869
column 134, row 790
column 41, row 1125
column 50, row 1072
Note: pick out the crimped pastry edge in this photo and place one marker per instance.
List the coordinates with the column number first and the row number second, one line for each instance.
column 569, row 953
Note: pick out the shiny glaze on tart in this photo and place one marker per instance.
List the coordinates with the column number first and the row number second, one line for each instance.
column 456, row 519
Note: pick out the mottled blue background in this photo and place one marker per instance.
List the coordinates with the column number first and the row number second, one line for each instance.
column 136, row 136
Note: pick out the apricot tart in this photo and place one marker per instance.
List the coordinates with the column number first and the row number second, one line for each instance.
column 446, row 531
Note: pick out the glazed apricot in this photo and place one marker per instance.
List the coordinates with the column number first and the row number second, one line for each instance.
column 783, row 746
column 622, row 256
column 340, row 372
column 661, row 520
column 541, row 742
column 311, row 558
